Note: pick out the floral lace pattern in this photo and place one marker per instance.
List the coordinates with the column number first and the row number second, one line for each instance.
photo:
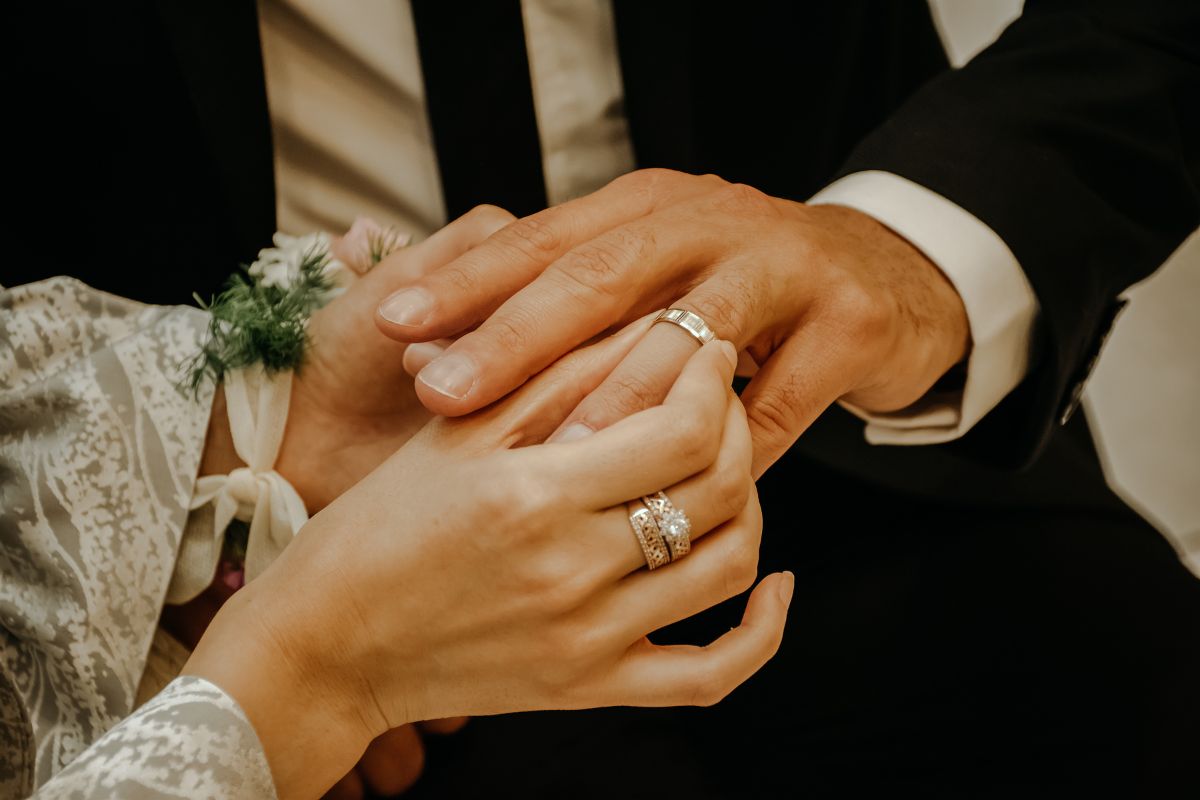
column 191, row 740
column 99, row 449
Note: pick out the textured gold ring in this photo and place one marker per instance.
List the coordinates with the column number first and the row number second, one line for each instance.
column 645, row 529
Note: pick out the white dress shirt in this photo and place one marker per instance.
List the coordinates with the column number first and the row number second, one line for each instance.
column 352, row 137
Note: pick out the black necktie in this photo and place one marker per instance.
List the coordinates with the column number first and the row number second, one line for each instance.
column 480, row 102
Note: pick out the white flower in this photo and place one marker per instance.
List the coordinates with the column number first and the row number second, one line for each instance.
column 280, row 265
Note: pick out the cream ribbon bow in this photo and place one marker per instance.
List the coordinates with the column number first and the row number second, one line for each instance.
column 258, row 407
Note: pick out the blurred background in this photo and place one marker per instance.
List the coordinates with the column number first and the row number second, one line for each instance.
column 1143, row 400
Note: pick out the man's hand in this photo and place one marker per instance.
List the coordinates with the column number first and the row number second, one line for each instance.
column 830, row 303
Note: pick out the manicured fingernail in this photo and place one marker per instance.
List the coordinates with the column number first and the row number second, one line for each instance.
column 419, row 354
column 407, row 307
column 786, row 587
column 576, row 430
column 452, row 375
column 730, row 352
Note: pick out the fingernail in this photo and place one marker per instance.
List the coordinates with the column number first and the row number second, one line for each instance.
column 730, row 352
column 576, row 430
column 407, row 307
column 420, row 354
column 786, row 587
column 452, row 375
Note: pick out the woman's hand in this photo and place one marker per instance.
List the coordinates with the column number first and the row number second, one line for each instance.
column 477, row 572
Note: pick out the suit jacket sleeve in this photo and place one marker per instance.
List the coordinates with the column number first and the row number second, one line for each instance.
column 1076, row 138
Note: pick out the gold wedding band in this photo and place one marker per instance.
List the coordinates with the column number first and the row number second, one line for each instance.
column 692, row 323
column 645, row 528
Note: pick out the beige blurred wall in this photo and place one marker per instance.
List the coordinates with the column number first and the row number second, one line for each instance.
column 1143, row 400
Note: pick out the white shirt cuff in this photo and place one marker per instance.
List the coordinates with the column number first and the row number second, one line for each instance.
column 1000, row 303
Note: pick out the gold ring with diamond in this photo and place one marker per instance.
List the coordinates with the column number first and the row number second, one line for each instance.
column 692, row 323
column 645, row 528
column 673, row 525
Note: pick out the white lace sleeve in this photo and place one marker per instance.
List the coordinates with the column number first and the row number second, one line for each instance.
column 99, row 449
column 190, row 741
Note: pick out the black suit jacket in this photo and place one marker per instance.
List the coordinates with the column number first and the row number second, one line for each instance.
column 140, row 150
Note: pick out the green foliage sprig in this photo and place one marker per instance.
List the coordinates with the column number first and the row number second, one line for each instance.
column 255, row 321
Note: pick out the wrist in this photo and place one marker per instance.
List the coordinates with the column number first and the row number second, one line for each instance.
column 312, row 723
column 928, row 332
column 220, row 457
column 293, row 463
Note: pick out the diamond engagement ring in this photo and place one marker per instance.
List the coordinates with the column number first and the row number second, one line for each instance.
column 673, row 525
column 692, row 323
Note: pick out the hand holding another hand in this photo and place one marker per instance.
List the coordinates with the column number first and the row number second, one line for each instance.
column 477, row 571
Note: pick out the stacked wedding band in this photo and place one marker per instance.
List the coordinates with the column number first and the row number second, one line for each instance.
column 662, row 530
column 690, row 322
column 645, row 528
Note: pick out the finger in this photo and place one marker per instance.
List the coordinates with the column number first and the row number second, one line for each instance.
column 347, row 323
column 640, row 381
column 657, row 447
column 394, row 761
column 350, row 787
column 679, row 675
column 467, row 290
column 529, row 415
column 732, row 303
column 443, row 727
column 411, row 263
column 417, row 355
column 722, row 565
column 709, row 499
column 595, row 285
column 795, row 386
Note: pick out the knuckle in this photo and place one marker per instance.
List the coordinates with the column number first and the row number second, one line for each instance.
column 856, row 311
column 741, row 568
column 520, row 501
column 462, row 276
column 542, row 576
column 600, row 266
column 732, row 491
column 650, row 186
column 490, row 215
column 571, row 650
column 535, row 236
column 628, row 393
column 724, row 312
column 774, row 412
column 513, row 331
column 740, row 199
column 646, row 179
column 708, row 688
column 695, row 441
